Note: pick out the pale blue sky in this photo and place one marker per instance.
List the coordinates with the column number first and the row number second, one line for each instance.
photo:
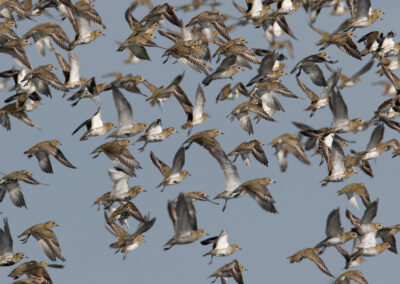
column 267, row 240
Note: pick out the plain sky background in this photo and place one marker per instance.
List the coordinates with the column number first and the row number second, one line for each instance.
column 267, row 240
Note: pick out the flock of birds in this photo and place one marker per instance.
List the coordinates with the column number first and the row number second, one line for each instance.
column 190, row 44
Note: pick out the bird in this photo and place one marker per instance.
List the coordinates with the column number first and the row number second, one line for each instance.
column 94, row 126
column 34, row 268
column 255, row 9
column 43, row 149
column 155, row 133
column 321, row 101
column 7, row 256
column 341, row 122
column 287, row 7
column 34, row 280
column 173, row 175
column 128, row 82
column 25, row 102
column 389, row 89
column 265, row 91
column 232, row 269
column 10, row 183
column 355, row 275
column 10, row 7
column 183, row 217
column 137, row 42
column 70, row 70
column 207, row 140
column 197, row 195
column 371, row 251
column 284, row 44
column 362, row 15
column 238, row 48
column 222, row 73
column 127, row 242
column 11, row 73
column 268, row 65
column 241, row 112
column 162, row 94
column 125, row 210
column 195, row 114
column 315, row 8
column 47, row 239
column 188, row 55
column 387, row 234
column 87, row 38
column 335, row 160
column 385, row 44
column 88, row 90
column 107, row 199
column 121, row 190
column 311, row 254
column 281, row 152
column 66, row 9
column 372, row 41
column 343, row 40
column 16, row 48
column 356, row 188
column 221, row 247
column 6, row 32
column 83, row 14
column 231, row 93
column 272, row 86
column 335, row 234
column 134, row 24
column 207, row 18
column 186, row 34
column 119, row 154
column 18, row 112
column 308, row 64
column 126, row 126
column 257, row 188
column 42, row 35
column 350, row 262
column 42, row 75
column 375, row 147
column 274, row 25
column 160, row 12
column 253, row 147
column 288, row 143
column 366, row 231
